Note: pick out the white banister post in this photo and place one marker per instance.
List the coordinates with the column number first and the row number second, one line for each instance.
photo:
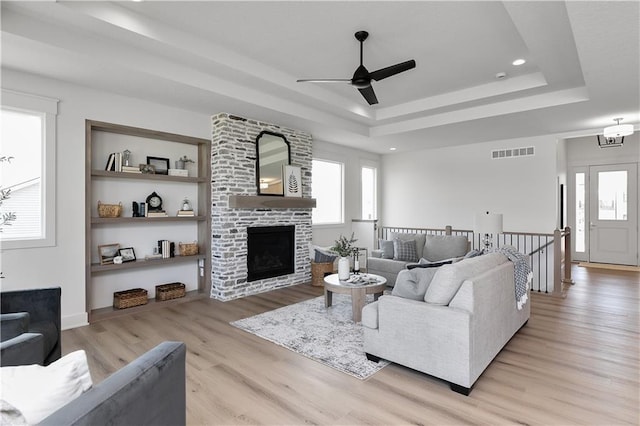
column 557, row 263
column 567, row 256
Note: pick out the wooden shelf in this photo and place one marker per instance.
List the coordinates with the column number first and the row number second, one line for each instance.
column 141, row 220
column 111, row 312
column 267, row 202
column 142, row 263
column 146, row 176
column 97, row 228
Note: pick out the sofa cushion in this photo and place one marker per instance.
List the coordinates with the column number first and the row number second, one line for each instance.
column 413, row 284
column 387, row 248
column 419, row 238
column 449, row 278
column 441, row 247
column 38, row 391
column 404, row 250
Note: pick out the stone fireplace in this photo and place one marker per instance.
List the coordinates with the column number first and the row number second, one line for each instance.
column 233, row 175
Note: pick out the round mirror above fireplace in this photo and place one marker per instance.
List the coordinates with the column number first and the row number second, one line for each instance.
column 272, row 154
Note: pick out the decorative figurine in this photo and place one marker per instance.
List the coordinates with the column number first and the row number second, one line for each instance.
column 126, row 155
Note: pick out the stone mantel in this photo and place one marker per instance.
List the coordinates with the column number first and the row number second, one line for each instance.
column 270, row 202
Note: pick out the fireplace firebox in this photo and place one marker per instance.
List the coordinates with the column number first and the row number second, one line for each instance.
column 270, row 251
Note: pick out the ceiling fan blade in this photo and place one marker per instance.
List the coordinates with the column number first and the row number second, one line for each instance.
column 392, row 70
column 324, row 80
column 369, row 95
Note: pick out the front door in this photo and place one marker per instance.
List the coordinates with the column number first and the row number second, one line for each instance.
column 613, row 214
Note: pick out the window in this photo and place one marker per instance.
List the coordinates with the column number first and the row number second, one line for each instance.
column 27, row 149
column 369, row 190
column 580, row 234
column 612, row 195
column 327, row 188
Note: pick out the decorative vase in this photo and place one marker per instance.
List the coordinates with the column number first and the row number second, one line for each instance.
column 343, row 268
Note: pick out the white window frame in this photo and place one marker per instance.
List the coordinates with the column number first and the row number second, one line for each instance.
column 342, row 169
column 370, row 165
column 48, row 108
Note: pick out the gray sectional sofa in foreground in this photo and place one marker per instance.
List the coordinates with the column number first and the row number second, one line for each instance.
column 151, row 390
column 451, row 323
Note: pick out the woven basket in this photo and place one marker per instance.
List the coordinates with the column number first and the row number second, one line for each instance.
column 319, row 271
column 170, row 291
column 188, row 249
column 109, row 210
column 129, row 298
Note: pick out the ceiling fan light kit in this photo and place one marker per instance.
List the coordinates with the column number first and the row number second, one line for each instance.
column 362, row 78
column 614, row 135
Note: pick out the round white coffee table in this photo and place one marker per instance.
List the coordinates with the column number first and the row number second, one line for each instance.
column 358, row 291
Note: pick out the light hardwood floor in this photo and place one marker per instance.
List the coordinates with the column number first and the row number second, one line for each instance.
column 576, row 362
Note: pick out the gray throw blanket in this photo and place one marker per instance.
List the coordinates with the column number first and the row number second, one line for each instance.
column 522, row 273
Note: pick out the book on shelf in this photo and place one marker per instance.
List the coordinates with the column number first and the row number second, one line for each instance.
column 143, row 209
column 161, row 213
column 118, row 165
column 186, row 213
column 153, row 256
column 110, row 162
column 166, row 249
column 179, row 172
column 131, row 169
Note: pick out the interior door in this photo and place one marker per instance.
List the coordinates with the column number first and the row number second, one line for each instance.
column 613, row 213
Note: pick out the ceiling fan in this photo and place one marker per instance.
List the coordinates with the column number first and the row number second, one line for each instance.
column 362, row 77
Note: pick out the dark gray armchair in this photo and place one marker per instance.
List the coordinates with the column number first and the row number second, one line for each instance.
column 30, row 326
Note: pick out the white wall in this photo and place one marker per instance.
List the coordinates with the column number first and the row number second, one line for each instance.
column 325, row 235
column 63, row 264
column 447, row 186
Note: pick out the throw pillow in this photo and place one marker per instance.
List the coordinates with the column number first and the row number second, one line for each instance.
column 449, row 278
column 37, row 391
column 429, row 264
column 322, row 256
column 404, row 250
column 387, row 248
column 419, row 238
column 413, row 284
column 10, row 415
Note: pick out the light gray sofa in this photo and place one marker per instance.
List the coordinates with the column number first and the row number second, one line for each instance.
column 455, row 340
column 433, row 248
column 151, row 390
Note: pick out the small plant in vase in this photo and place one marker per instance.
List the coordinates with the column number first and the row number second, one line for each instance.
column 344, row 248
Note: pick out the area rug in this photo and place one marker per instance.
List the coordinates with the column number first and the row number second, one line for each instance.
column 609, row 266
column 325, row 335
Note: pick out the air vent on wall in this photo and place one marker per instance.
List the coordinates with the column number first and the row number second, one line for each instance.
column 498, row 154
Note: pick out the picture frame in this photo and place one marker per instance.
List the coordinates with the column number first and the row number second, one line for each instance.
column 292, row 181
column 161, row 165
column 107, row 252
column 128, row 254
column 147, row 169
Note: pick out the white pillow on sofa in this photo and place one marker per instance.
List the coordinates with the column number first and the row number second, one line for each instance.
column 38, row 391
column 447, row 281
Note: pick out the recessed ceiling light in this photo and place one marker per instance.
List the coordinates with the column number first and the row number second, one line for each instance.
column 392, row 149
column 518, row 62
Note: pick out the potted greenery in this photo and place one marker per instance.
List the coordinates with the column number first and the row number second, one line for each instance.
column 344, row 248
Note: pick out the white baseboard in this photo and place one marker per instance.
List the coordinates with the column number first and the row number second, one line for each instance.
column 73, row 321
